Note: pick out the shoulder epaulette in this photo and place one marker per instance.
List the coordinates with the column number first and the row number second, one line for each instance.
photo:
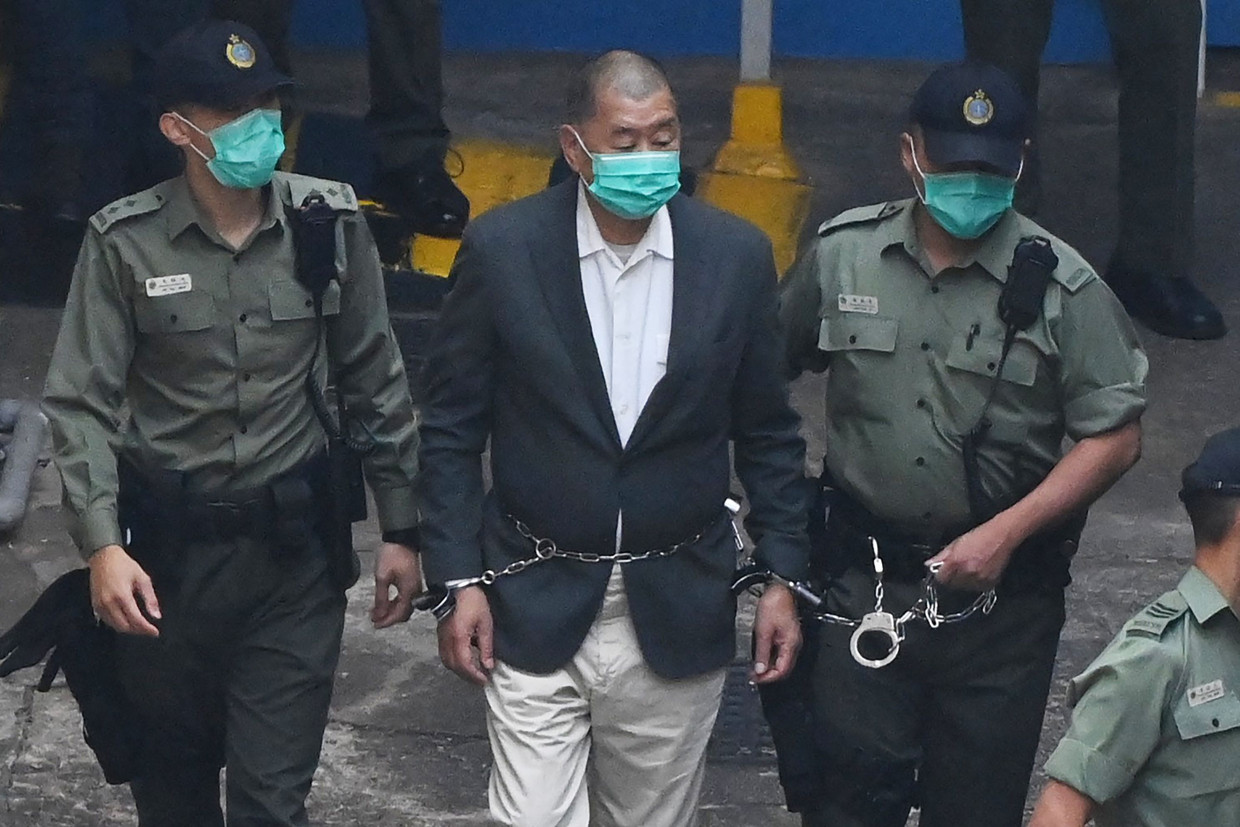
column 860, row 215
column 338, row 195
column 139, row 203
column 1154, row 619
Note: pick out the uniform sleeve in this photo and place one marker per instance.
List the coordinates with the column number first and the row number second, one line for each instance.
column 84, row 393
column 1104, row 365
column 800, row 300
column 1119, row 705
column 370, row 374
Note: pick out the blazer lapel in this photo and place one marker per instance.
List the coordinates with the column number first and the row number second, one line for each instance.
column 559, row 274
column 690, row 294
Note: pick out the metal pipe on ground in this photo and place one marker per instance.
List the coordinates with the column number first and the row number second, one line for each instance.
column 21, row 456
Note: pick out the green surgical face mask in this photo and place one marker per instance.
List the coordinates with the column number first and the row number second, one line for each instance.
column 634, row 185
column 246, row 149
column 967, row 204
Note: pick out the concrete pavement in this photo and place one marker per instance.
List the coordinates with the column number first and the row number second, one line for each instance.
column 406, row 744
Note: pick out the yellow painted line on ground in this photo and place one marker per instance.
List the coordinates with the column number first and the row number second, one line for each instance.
column 1230, row 99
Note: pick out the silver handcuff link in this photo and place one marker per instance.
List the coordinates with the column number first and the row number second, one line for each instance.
column 889, row 628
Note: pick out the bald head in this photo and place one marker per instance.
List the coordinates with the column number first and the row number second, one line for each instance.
column 630, row 75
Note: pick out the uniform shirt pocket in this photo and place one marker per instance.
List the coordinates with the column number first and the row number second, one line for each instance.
column 1212, row 732
column 857, row 332
column 982, row 356
column 175, row 313
column 290, row 301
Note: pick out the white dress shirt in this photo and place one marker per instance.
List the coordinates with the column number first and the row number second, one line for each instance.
column 630, row 307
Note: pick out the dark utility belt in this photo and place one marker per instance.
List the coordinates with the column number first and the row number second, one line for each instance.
column 156, row 507
column 843, row 543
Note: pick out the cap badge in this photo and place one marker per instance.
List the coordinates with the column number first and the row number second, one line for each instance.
column 239, row 52
column 978, row 109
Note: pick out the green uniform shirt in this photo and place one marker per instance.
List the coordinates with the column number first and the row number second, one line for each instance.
column 1155, row 734
column 186, row 355
column 912, row 357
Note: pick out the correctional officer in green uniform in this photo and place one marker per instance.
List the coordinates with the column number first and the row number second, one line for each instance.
column 192, row 456
column 900, row 301
column 1155, row 732
column 1155, row 45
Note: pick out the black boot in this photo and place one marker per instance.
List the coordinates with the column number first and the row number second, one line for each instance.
column 425, row 196
column 1171, row 306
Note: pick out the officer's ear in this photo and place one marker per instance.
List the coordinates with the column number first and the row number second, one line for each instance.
column 174, row 127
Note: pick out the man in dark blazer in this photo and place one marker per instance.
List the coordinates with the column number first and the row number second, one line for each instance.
column 611, row 338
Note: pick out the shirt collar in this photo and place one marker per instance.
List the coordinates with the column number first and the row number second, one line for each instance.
column 657, row 239
column 994, row 255
column 182, row 211
column 1203, row 597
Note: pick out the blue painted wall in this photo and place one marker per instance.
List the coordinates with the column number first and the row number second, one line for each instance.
column 925, row 29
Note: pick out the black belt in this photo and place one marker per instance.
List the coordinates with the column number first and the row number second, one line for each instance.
column 1041, row 561
column 283, row 510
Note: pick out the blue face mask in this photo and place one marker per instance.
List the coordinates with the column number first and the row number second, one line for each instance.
column 246, row 149
column 634, row 185
column 967, row 204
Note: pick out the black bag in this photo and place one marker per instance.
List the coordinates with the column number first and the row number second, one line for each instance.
column 61, row 622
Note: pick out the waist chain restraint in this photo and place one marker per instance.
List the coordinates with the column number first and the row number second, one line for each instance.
column 441, row 602
column 879, row 627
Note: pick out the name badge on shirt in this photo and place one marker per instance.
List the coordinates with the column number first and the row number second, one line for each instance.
column 169, row 285
column 858, row 304
column 1205, row 693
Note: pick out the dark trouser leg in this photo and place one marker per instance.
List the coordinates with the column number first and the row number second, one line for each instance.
column 1012, row 34
column 406, row 81
column 1155, row 44
column 278, row 694
column 51, row 78
column 1156, row 49
column 866, row 723
column 240, row 675
column 984, row 718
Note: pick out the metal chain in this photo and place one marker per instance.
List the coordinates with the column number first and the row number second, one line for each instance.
column 545, row 549
column 926, row 608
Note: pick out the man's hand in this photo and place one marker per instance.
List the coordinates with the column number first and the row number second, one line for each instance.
column 395, row 566
column 777, row 632
column 117, row 584
column 975, row 561
column 466, row 629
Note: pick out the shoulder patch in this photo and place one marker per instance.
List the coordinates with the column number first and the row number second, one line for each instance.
column 1154, row 619
column 1071, row 278
column 861, row 215
column 147, row 201
column 338, row 195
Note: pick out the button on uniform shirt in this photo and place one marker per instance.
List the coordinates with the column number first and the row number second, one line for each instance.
column 184, row 354
column 1155, row 733
column 912, row 355
column 629, row 302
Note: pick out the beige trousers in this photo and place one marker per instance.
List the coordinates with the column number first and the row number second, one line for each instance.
column 603, row 741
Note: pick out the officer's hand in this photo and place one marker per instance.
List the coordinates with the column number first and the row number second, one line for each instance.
column 776, row 635
column 398, row 567
column 975, row 561
column 117, row 584
column 466, row 629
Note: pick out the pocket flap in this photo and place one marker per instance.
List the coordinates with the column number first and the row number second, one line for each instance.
column 857, row 332
column 289, row 300
column 983, row 358
column 175, row 313
column 1213, row 716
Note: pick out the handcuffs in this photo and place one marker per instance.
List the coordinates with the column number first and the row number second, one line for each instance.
column 879, row 623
